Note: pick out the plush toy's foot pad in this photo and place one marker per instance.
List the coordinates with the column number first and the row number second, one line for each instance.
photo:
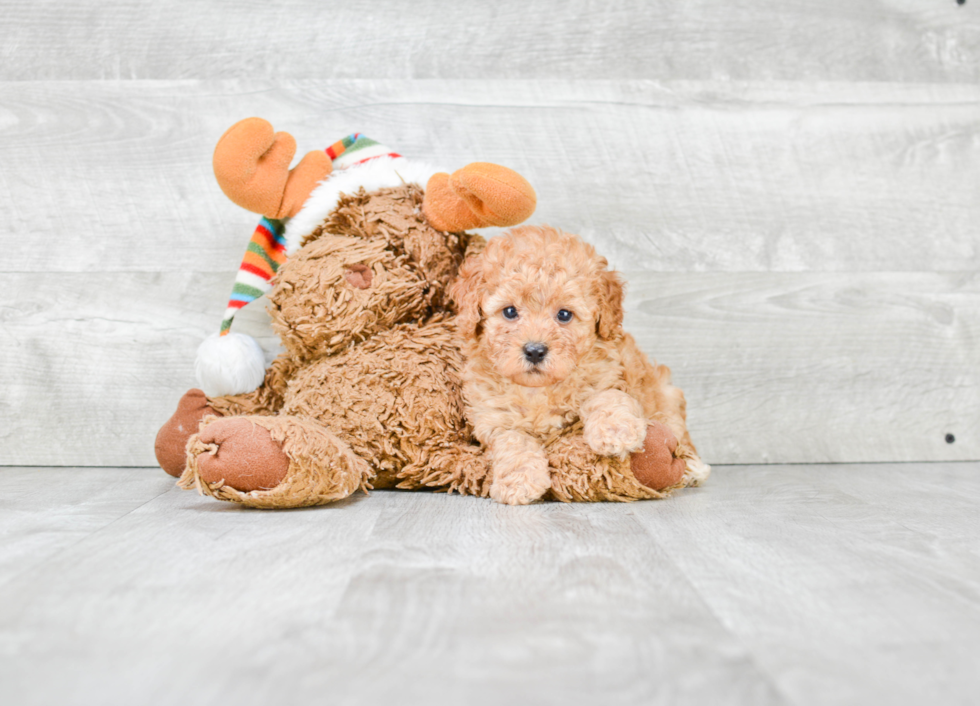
column 272, row 462
column 655, row 466
column 173, row 435
column 241, row 454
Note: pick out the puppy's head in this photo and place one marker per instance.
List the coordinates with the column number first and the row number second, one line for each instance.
column 534, row 302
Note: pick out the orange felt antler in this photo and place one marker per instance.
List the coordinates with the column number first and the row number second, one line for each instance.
column 478, row 195
column 251, row 164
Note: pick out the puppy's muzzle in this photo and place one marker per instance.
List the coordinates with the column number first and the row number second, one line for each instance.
column 535, row 352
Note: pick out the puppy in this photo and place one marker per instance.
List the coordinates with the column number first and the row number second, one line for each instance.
column 540, row 318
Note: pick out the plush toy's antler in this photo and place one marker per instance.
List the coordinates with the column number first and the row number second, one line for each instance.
column 476, row 196
column 251, row 164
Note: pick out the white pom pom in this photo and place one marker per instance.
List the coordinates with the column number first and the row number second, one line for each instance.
column 229, row 365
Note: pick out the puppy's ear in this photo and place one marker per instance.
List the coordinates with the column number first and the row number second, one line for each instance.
column 466, row 293
column 610, row 305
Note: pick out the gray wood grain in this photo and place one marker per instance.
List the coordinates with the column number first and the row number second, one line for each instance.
column 777, row 367
column 44, row 511
column 878, row 561
column 811, row 367
column 849, row 584
column 888, row 40
column 663, row 177
column 712, row 193
column 94, row 364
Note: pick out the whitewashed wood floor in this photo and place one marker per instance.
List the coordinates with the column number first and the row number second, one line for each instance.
column 772, row 584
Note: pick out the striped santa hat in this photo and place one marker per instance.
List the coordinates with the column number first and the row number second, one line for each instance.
column 233, row 363
column 267, row 249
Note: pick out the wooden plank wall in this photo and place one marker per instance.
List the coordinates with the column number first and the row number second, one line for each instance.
column 793, row 190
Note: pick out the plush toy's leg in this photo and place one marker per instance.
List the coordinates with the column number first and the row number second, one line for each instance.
column 695, row 470
column 172, row 438
column 272, row 462
column 171, row 441
column 655, row 465
column 462, row 468
column 578, row 474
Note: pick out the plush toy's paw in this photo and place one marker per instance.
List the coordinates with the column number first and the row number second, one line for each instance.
column 477, row 196
column 173, row 435
column 251, row 164
column 614, row 432
column 242, row 455
column 523, row 484
column 696, row 472
column 655, row 466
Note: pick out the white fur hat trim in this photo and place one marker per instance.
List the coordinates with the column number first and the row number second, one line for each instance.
column 377, row 173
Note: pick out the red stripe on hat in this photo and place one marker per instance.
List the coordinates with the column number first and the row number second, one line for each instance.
column 256, row 260
column 272, row 251
column 271, row 245
column 377, row 156
column 249, row 267
column 265, row 232
column 336, row 149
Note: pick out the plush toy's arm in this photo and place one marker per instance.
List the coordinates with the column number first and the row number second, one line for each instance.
column 267, row 399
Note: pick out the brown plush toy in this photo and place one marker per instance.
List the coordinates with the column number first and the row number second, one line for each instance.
column 368, row 392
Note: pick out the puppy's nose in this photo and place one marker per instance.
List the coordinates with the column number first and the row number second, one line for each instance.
column 535, row 352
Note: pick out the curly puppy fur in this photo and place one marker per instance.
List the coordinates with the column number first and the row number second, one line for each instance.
column 540, row 318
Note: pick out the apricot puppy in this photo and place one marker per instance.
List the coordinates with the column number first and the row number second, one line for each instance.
column 540, row 317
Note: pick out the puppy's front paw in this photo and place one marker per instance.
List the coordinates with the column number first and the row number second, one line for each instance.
column 522, row 484
column 614, row 432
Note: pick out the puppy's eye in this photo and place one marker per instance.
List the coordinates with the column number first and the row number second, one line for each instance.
column 564, row 316
column 510, row 313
